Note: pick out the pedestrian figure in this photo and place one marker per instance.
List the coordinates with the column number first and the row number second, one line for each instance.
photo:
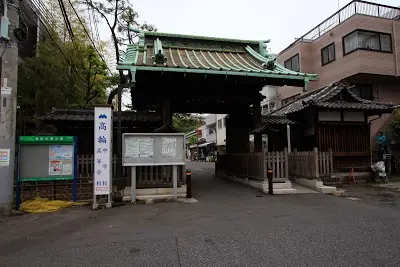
column 382, row 145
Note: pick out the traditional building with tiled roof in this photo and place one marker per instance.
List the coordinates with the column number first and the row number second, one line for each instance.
column 330, row 118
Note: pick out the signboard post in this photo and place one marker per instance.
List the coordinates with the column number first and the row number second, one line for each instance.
column 46, row 158
column 102, row 184
column 153, row 149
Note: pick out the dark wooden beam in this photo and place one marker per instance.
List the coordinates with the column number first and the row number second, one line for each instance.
column 257, row 123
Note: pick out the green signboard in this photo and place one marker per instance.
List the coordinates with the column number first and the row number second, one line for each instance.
column 47, row 158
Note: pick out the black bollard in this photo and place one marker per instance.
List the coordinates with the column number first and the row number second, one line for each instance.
column 188, row 183
column 270, row 183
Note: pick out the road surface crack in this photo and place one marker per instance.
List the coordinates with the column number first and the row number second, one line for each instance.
column 177, row 252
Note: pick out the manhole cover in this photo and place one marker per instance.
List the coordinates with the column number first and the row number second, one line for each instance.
column 353, row 198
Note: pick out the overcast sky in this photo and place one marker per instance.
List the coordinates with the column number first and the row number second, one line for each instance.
column 281, row 20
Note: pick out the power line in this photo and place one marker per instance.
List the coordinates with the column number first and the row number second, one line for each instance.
column 87, row 33
column 66, row 19
column 55, row 42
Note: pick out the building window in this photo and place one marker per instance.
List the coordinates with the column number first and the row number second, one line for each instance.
column 265, row 109
column 225, row 122
column 220, row 124
column 328, row 54
column 367, row 40
column 289, row 99
column 364, row 91
column 293, row 63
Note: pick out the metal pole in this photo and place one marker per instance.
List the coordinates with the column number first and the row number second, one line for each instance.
column 175, row 180
column 270, row 183
column 8, row 103
column 188, row 183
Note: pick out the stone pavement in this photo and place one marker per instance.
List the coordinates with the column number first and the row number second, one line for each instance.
column 231, row 225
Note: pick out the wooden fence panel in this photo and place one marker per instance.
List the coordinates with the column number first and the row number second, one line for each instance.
column 310, row 164
column 279, row 162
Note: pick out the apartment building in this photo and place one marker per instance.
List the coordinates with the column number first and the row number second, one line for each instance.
column 359, row 44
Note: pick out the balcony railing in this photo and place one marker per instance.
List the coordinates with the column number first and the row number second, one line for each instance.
column 346, row 12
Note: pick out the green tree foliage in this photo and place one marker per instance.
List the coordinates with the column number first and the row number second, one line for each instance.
column 75, row 78
column 186, row 122
column 118, row 15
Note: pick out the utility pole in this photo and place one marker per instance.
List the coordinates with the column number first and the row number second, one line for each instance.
column 8, row 111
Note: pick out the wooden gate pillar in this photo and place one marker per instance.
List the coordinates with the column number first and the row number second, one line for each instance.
column 166, row 112
column 237, row 132
column 257, row 123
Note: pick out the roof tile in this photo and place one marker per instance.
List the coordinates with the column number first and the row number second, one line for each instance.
column 327, row 97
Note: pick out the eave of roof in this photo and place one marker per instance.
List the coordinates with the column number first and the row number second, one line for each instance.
column 277, row 120
column 88, row 116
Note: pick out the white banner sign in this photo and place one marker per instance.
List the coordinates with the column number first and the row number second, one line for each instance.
column 102, row 150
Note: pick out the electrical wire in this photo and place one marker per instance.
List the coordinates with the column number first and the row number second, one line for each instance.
column 87, row 33
column 55, row 42
column 66, row 19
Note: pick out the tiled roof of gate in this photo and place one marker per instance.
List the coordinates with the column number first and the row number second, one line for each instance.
column 88, row 116
column 198, row 54
column 334, row 96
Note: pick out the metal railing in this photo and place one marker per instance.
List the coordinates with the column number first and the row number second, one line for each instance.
column 346, row 12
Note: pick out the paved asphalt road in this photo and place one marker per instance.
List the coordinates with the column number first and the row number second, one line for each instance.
column 232, row 225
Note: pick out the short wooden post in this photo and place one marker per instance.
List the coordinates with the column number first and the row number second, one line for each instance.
column 315, row 163
column 330, row 160
column 286, row 162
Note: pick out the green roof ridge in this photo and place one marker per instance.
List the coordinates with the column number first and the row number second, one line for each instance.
column 172, row 58
column 190, row 60
column 230, row 61
column 216, row 62
column 241, row 64
column 198, row 60
column 180, row 58
column 222, row 60
column 252, row 67
column 208, row 62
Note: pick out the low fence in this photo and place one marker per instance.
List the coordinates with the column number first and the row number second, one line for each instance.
column 279, row 162
column 310, row 164
column 147, row 177
column 254, row 165
column 249, row 165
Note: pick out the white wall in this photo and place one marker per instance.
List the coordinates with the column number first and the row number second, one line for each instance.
column 221, row 132
column 271, row 96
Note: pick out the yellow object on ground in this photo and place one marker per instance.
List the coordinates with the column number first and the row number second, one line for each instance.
column 41, row 205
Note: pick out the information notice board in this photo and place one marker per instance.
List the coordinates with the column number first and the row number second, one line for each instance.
column 47, row 158
column 153, row 149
